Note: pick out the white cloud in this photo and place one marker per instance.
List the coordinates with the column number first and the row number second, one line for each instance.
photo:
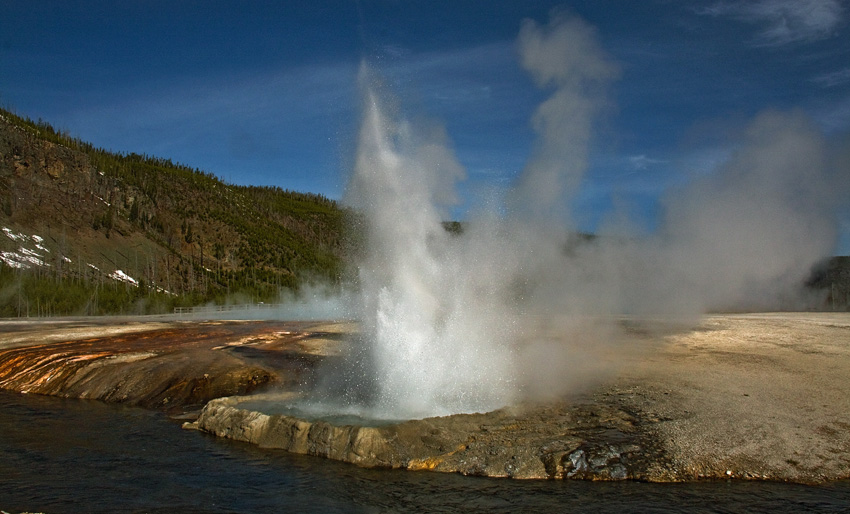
column 784, row 21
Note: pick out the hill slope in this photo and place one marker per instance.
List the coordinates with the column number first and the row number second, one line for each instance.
column 88, row 231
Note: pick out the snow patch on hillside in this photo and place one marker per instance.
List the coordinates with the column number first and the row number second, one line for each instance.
column 123, row 277
column 23, row 257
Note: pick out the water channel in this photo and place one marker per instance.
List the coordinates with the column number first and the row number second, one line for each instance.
column 61, row 455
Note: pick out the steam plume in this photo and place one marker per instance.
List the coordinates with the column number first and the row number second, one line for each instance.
column 565, row 55
column 514, row 308
column 425, row 313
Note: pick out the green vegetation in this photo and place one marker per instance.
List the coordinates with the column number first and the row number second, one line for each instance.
column 186, row 236
column 32, row 294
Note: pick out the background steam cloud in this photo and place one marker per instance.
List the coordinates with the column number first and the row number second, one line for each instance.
column 748, row 234
column 564, row 54
column 515, row 308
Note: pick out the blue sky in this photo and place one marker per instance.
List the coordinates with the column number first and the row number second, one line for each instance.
column 266, row 92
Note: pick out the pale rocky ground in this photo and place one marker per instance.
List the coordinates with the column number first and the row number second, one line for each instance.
column 751, row 395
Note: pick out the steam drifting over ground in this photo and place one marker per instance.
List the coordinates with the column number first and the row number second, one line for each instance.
column 516, row 308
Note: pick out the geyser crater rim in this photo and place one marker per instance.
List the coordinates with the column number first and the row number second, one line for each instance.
column 303, row 406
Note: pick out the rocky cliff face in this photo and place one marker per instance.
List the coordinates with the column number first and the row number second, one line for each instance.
column 43, row 182
column 29, row 156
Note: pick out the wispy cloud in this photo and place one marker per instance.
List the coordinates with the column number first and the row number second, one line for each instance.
column 395, row 51
column 642, row 162
column 783, row 21
column 272, row 98
column 832, row 79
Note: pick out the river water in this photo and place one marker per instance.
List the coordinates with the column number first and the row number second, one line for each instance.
column 80, row 456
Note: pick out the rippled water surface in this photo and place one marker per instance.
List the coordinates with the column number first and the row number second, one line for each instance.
column 78, row 456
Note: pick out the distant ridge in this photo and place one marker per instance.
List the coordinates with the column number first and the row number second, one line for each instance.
column 89, row 231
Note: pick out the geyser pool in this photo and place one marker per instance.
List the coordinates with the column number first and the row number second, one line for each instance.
column 311, row 409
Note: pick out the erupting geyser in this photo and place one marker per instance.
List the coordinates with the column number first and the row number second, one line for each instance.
column 511, row 309
column 441, row 315
column 435, row 319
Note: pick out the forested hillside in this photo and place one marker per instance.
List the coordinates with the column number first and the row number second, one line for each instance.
column 89, row 231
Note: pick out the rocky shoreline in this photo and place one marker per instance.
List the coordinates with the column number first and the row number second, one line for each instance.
column 759, row 396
